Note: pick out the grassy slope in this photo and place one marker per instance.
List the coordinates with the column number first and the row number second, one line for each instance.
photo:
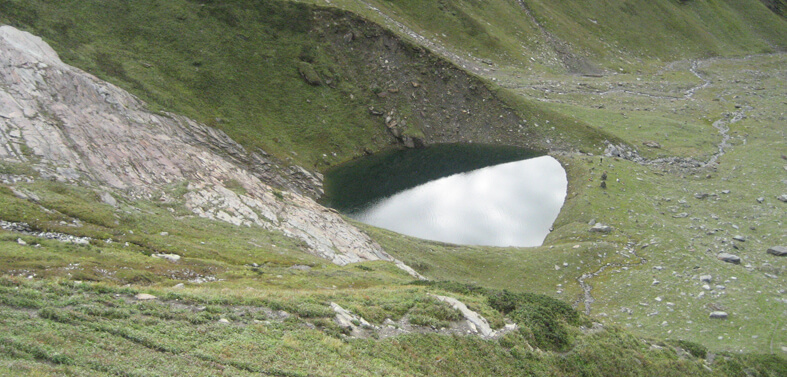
column 176, row 82
column 611, row 34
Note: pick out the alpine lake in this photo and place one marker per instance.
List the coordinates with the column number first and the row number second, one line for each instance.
column 466, row 194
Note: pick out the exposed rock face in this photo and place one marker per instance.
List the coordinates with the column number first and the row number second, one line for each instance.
column 71, row 126
column 474, row 320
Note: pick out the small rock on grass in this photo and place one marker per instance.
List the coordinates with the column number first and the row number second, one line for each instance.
column 601, row 228
column 718, row 315
column 144, row 297
column 779, row 251
column 729, row 258
column 783, row 198
column 169, row 257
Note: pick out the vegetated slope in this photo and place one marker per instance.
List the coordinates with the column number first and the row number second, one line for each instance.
column 39, row 329
column 150, row 288
column 284, row 76
column 588, row 36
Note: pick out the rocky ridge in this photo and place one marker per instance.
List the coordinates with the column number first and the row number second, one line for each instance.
column 72, row 127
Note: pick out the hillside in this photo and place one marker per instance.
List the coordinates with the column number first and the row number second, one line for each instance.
column 175, row 148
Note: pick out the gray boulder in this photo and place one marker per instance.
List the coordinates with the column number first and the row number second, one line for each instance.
column 779, row 251
column 729, row 258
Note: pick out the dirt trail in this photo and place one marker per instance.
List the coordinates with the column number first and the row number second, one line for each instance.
column 586, row 298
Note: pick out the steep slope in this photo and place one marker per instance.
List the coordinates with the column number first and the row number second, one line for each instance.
column 587, row 37
column 71, row 127
column 282, row 76
column 701, row 171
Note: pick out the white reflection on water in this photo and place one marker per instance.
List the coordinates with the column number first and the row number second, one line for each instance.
column 512, row 204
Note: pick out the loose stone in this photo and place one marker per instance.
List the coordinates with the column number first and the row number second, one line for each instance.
column 779, row 251
column 729, row 258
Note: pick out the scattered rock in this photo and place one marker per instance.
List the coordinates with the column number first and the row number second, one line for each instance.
column 718, row 315
column 164, row 234
column 169, row 257
column 701, row 195
column 601, row 228
column 760, row 199
column 739, row 238
column 651, row 144
column 783, row 198
column 706, row 278
column 144, row 297
column 224, row 321
column 301, row 267
column 779, row 251
column 681, row 215
column 179, row 286
column 21, row 242
column 729, row 258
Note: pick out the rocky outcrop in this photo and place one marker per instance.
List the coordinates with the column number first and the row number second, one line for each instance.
column 70, row 126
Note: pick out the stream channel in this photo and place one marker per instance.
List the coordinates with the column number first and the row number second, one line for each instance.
column 466, row 194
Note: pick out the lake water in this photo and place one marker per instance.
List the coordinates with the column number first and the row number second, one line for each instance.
column 461, row 194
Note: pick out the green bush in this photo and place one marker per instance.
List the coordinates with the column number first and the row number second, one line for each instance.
column 548, row 319
column 695, row 349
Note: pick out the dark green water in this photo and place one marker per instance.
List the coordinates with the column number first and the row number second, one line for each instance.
column 352, row 186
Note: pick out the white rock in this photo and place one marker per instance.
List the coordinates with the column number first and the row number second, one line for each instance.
column 144, row 297
column 169, row 257
column 473, row 318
